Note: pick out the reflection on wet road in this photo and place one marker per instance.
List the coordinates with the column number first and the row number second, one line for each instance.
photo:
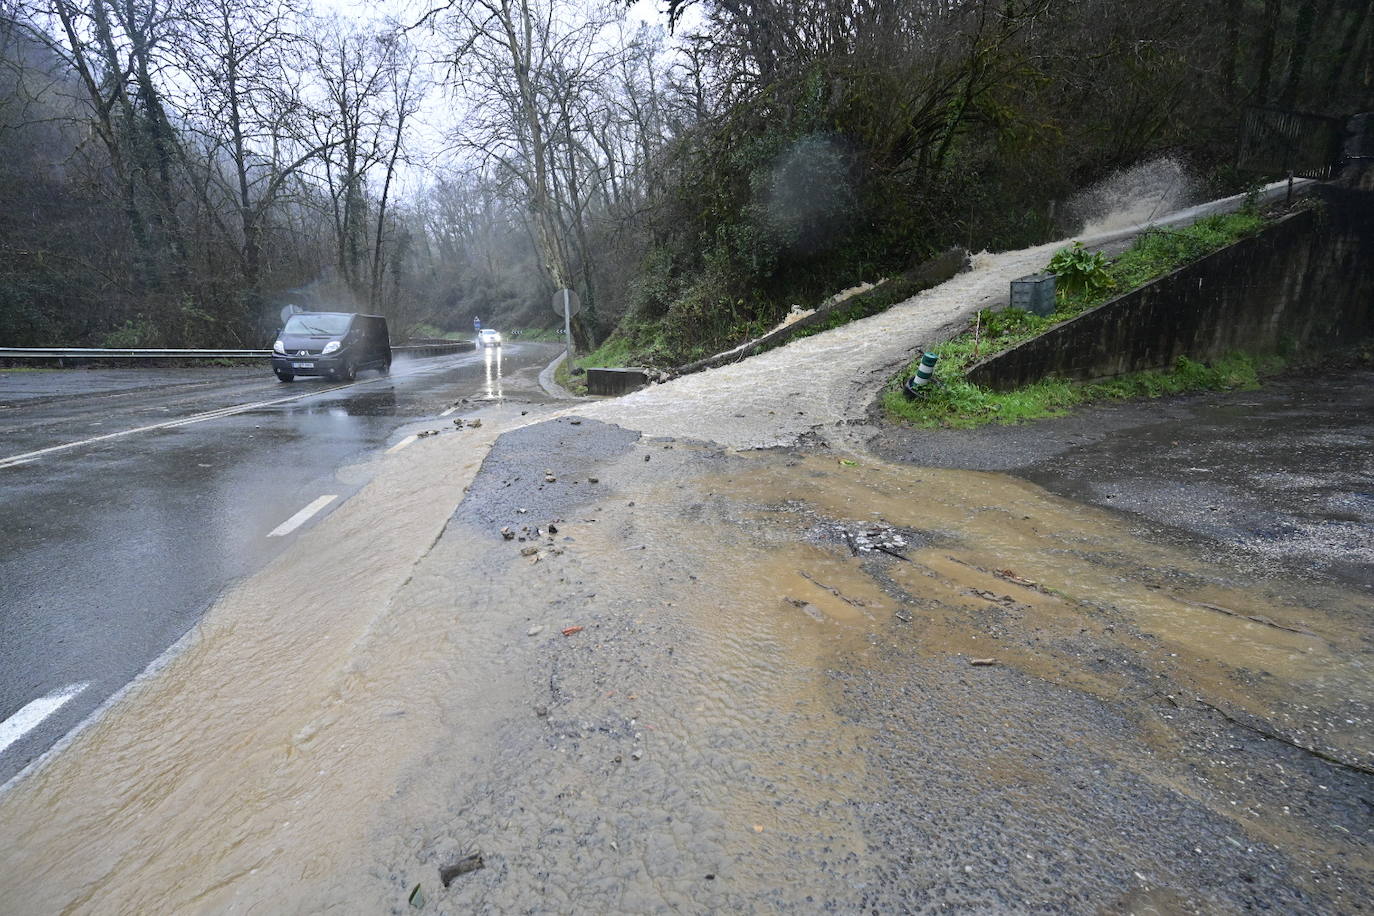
column 491, row 358
column 133, row 497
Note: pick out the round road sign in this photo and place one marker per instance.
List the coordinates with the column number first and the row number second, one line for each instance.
column 573, row 302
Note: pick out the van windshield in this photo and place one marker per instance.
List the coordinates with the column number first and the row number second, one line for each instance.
column 321, row 324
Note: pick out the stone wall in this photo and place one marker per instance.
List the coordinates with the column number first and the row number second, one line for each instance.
column 1305, row 281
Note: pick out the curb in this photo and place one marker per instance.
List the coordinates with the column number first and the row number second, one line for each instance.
column 552, row 388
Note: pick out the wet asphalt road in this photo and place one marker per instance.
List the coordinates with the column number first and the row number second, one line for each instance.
column 1277, row 479
column 111, row 550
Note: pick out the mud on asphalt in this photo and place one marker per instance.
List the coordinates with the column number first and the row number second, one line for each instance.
column 696, row 680
column 1279, row 479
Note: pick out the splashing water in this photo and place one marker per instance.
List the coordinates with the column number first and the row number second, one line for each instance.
column 1134, row 196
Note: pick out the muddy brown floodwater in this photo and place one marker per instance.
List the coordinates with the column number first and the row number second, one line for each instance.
column 801, row 683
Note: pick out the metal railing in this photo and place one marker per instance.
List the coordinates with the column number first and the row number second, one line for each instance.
column 425, row 349
column 116, row 353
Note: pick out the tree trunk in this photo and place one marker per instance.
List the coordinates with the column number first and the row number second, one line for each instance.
column 1297, row 60
column 1273, row 9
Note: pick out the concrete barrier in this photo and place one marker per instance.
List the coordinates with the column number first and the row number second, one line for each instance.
column 616, row 381
column 1306, row 280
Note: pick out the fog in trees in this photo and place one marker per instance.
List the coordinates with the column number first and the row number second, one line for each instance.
column 173, row 172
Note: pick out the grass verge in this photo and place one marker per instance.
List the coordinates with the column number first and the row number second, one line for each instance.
column 1089, row 282
column 957, row 404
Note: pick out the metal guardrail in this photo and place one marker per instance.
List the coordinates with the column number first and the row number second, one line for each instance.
column 434, row 349
column 111, row 353
column 426, row 349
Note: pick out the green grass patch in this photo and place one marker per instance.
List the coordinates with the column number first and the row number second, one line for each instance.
column 613, row 353
column 575, row 384
column 958, row 404
column 1086, row 281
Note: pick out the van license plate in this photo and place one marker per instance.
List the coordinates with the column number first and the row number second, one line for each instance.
column 302, row 365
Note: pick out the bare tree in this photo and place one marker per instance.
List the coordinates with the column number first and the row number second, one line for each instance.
column 248, row 110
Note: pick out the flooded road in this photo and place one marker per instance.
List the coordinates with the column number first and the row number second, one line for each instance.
column 788, row 681
column 1275, row 481
column 110, row 550
column 551, row 663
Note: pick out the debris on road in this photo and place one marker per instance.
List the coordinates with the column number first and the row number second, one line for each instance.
column 467, row 863
column 507, row 532
column 593, row 480
column 417, row 897
column 528, row 551
column 426, row 432
column 868, row 537
column 826, row 588
column 1004, row 600
column 807, row 608
column 568, row 631
column 535, row 630
column 982, row 662
column 1013, row 578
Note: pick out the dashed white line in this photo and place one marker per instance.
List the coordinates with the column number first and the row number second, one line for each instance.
column 29, row 718
column 303, row 516
column 402, row 444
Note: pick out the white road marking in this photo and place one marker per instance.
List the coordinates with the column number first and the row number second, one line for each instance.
column 402, row 444
column 303, row 516
column 220, row 413
column 170, row 424
column 29, row 718
column 449, row 411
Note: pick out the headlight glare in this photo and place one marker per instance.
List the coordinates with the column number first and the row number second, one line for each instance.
column 279, row 347
column 331, row 347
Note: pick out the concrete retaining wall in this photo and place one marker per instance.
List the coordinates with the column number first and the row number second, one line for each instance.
column 1307, row 280
column 616, row 381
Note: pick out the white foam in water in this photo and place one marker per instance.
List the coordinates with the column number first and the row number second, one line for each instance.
column 820, row 385
column 1134, row 196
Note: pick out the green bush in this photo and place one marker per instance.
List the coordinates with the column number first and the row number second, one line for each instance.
column 132, row 335
column 1079, row 272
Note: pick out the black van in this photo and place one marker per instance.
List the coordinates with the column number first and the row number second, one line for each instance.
column 334, row 344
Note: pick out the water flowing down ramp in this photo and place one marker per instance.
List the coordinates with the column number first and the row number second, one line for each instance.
column 823, row 383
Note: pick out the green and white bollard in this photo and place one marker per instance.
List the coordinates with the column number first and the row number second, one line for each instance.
column 924, row 373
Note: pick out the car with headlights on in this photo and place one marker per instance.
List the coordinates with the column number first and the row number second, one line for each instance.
column 336, row 345
column 488, row 337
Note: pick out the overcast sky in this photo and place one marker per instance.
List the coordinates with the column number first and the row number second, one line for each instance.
column 429, row 138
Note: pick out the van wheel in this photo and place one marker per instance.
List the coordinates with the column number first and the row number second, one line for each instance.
column 385, row 368
column 284, row 376
column 347, row 373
